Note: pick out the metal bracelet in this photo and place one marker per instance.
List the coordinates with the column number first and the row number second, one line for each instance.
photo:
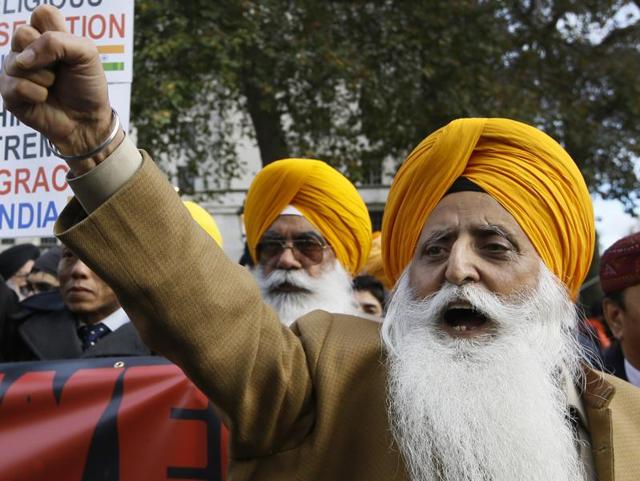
column 115, row 121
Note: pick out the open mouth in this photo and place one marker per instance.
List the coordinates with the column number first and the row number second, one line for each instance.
column 288, row 287
column 461, row 319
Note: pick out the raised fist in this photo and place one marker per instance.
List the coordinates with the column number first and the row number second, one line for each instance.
column 54, row 82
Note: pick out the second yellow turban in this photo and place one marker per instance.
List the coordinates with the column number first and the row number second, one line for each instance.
column 326, row 198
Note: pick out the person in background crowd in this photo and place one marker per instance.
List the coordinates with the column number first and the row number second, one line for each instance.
column 596, row 321
column 87, row 320
column 15, row 265
column 44, row 273
column 8, row 305
column 245, row 259
column 620, row 281
column 370, row 296
column 205, row 220
column 308, row 231
column 488, row 232
column 373, row 266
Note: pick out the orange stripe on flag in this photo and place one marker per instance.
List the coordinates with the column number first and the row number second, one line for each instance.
column 111, row 48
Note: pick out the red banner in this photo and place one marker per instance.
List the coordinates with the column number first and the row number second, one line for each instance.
column 125, row 419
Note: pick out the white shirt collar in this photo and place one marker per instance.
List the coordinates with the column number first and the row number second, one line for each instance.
column 633, row 374
column 114, row 320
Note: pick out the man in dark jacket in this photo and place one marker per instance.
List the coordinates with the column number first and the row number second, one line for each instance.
column 81, row 319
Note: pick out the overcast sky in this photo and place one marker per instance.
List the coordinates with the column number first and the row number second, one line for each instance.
column 612, row 223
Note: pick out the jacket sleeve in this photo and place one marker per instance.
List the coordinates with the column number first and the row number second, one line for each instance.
column 199, row 309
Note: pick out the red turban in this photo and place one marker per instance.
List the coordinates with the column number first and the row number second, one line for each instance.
column 620, row 264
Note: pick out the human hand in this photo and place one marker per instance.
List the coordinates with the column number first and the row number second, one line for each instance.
column 53, row 82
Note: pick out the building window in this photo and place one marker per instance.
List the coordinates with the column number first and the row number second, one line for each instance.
column 371, row 172
column 186, row 180
column 48, row 242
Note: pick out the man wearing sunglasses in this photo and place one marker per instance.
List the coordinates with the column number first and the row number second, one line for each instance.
column 308, row 231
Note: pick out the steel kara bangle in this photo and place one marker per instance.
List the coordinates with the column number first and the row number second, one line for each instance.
column 115, row 121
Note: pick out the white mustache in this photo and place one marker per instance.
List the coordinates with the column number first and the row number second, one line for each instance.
column 490, row 305
column 297, row 278
column 331, row 291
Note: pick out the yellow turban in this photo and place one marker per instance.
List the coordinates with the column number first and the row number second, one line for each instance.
column 323, row 195
column 522, row 168
column 205, row 220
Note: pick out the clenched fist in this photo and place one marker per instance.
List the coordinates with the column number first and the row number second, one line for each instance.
column 53, row 82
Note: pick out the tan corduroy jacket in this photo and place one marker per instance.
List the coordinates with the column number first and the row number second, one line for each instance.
column 303, row 404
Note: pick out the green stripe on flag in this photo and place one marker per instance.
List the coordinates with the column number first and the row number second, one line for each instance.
column 111, row 66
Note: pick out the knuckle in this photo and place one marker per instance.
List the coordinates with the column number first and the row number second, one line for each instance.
column 46, row 78
column 88, row 44
column 22, row 33
column 52, row 40
column 9, row 65
column 48, row 36
column 7, row 88
column 8, row 92
column 21, row 88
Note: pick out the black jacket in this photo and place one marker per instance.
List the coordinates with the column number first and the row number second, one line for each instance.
column 44, row 329
column 614, row 361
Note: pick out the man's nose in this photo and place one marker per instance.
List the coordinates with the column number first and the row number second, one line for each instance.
column 461, row 265
column 287, row 259
column 80, row 270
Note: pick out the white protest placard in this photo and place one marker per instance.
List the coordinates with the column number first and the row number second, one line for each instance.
column 33, row 187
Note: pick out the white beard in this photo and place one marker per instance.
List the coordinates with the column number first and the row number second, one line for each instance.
column 488, row 409
column 330, row 292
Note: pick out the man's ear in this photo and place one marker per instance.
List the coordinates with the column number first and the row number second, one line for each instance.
column 614, row 315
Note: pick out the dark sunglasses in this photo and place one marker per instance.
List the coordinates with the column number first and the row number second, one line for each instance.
column 311, row 249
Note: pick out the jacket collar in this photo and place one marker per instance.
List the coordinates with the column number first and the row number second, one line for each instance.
column 52, row 335
column 597, row 396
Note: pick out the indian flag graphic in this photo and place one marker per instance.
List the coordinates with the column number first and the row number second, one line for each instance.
column 112, row 57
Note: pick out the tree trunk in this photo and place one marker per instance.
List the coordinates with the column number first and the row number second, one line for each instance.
column 266, row 121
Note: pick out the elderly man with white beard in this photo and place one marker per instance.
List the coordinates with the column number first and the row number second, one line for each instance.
column 308, row 231
column 489, row 228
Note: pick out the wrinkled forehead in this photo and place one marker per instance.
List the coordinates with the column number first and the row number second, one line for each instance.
column 472, row 211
